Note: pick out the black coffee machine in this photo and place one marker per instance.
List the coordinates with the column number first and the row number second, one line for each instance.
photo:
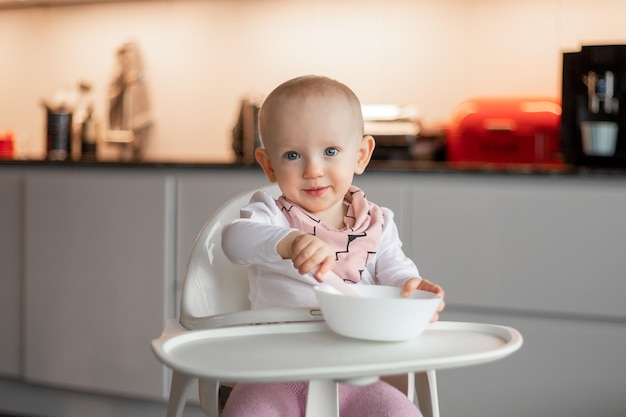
column 593, row 122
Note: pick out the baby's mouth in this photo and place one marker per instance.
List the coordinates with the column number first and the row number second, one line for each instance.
column 315, row 191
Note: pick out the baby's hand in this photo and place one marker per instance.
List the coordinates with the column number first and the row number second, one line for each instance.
column 425, row 285
column 308, row 253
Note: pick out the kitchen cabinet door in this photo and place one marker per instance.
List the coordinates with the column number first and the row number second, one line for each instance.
column 10, row 273
column 98, row 279
column 389, row 190
column 524, row 242
column 566, row 367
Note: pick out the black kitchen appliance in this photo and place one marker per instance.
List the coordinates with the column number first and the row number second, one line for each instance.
column 246, row 137
column 593, row 122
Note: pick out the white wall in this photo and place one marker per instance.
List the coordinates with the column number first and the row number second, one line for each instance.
column 202, row 57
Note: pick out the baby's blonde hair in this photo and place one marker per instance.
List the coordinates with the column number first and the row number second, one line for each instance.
column 307, row 85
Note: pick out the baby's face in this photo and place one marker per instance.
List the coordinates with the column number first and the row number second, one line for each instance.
column 314, row 146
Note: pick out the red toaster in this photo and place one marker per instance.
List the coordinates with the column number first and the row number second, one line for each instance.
column 505, row 130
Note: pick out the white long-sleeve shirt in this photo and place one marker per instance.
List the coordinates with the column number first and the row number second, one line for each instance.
column 274, row 282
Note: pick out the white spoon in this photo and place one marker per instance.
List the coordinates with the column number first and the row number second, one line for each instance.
column 339, row 284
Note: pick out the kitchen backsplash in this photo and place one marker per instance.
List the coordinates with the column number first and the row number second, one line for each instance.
column 202, row 57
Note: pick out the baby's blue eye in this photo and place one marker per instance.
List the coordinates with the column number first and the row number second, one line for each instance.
column 331, row 151
column 292, row 155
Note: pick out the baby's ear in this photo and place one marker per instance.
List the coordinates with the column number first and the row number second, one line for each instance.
column 264, row 160
column 365, row 154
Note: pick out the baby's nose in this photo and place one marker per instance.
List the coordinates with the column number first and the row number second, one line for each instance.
column 313, row 168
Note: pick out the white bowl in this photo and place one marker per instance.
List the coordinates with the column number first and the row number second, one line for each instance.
column 380, row 313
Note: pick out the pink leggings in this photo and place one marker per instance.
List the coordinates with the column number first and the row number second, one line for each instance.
column 288, row 399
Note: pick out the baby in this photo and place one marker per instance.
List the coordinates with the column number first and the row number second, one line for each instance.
column 311, row 128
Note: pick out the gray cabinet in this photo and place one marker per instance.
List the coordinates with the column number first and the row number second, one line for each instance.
column 545, row 244
column 10, row 269
column 541, row 254
column 388, row 190
column 97, row 280
column 567, row 367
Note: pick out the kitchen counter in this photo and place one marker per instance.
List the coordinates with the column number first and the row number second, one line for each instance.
column 376, row 165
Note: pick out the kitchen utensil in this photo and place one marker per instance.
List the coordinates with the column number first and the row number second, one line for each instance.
column 339, row 284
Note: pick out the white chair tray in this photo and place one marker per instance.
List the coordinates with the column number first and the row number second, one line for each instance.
column 306, row 351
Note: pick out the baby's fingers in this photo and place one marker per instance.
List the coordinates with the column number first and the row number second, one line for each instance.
column 326, row 266
column 426, row 285
column 313, row 257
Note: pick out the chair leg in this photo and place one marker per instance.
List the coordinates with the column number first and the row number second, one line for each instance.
column 178, row 394
column 322, row 399
column 208, row 390
column 426, row 387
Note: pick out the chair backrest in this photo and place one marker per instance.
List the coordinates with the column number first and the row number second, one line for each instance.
column 212, row 284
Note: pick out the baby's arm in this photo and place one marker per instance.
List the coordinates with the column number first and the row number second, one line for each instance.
column 308, row 253
column 262, row 234
column 247, row 242
column 253, row 238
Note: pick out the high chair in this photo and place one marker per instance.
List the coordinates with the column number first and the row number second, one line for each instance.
column 215, row 294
